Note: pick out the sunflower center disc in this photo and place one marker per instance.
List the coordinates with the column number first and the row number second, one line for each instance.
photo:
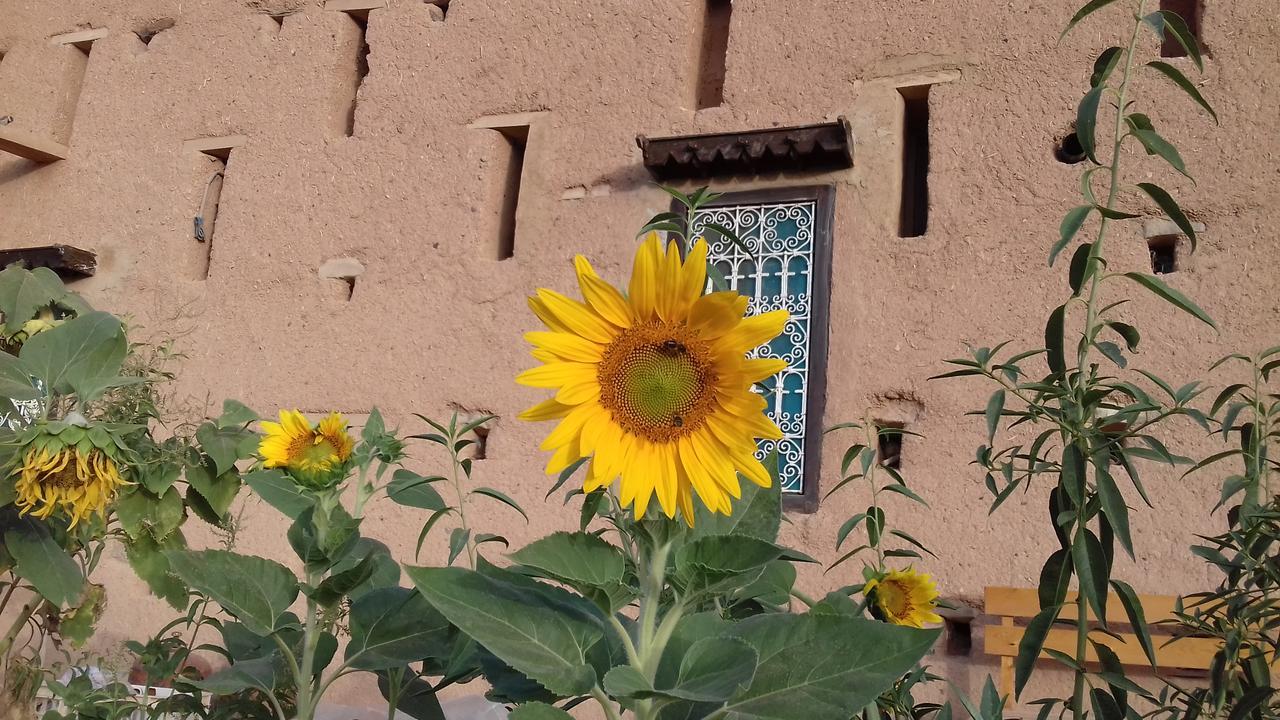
column 656, row 379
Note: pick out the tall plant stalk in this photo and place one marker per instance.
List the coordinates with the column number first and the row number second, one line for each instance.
column 1102, row 421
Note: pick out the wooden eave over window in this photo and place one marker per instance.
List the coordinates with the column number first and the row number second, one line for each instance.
column 804, row 148
column 66, row 260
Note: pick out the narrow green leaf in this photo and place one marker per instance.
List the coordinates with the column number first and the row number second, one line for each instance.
column 1113, row 504
column 1055, row 579
column 1105, row 65
column 1128, row 332
column 1090, row 560
column 1087, row 119
column 1084, row 12
column 1053, row 339
column 1170, row 208
column 1157, row 145
column 995, row 406
column 458, row 540
column 1133, row 608
column 1174, row 297
column 1113, row 353
column 849, row 526
column 502, row 498
column 1068, row 229
column 1175, row 24
column 1181, row 81
column 1031, row 644
column 1081, row 268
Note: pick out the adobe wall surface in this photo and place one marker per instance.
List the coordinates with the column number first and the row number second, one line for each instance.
column 435, row 320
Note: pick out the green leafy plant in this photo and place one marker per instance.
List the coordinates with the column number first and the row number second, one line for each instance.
column 1100, row 425
column 1241, row 612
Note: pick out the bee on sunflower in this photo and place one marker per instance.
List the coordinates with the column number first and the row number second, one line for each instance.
column 655, row 386
column 67, row 468
column 903, row 597
column 317, row 457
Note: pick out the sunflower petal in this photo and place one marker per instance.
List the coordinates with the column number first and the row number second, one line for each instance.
column 693, row 278
column 601, row 296
column 643, row 291
column 554, row 375
column 580, row 318
column 545, row 410
column 755, row 331
column 574, row 348
column 715, row 314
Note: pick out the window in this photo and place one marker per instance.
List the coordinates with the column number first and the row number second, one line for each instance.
column 789, row 234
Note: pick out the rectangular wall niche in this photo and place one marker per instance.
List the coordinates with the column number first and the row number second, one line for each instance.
column 713, row 53
column 361, row 20
column 1189, row 11
column 212, row 158
column 510, row 168
column 913, row 220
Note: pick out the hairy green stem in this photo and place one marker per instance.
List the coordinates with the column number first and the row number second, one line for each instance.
column 610, row 712
column 652, row 637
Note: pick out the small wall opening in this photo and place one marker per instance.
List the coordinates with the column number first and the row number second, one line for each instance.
column 1164, row 254
column 713, row 53
column 913, row 220
column 889, row 439
column 149, row 31
column 1069, row 151
column 361, row 19
column 442, row 6
column 1189, row 11
column 210, row 198
column 482, row 443
column 517, row 138
column 959, row 636
column 279, row 20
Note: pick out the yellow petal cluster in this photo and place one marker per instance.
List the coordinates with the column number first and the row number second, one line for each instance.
column 655, row 386
column 904, row 597
column 315, row 455
column 77, row 482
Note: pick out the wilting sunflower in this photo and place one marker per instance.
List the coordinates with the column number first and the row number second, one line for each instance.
column 315, row 456
column 67, row 469
column 904, row 597
column 655, row 386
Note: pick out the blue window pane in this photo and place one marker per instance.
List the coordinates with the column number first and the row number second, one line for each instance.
column 776, row 275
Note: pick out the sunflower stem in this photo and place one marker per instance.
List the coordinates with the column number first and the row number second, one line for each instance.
column 653, row 637
column 19, row 622
column 307, row 697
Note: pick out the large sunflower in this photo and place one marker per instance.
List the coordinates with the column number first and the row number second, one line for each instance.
column 904, row 597
column 315, row 456
column 655, row 387
column 68, row 469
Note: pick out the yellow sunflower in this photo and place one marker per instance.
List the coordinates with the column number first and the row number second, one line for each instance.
column 315, row 456
column 66, row 472
column 655, row 386
column 904, row 597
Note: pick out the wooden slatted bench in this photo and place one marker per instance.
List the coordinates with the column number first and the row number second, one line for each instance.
column 1010, row 604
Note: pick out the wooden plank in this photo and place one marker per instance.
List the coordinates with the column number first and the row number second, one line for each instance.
column 1183, row 653
column 1025, row 603
column 82, row 39
column 354, row 5
column 215, row 146
column 29, row 146
column 66, row 260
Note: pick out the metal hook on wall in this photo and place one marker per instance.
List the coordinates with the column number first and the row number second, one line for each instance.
column 199, row 219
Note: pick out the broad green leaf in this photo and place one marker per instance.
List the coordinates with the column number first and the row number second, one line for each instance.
column 415, row 697
column 538, row 711
column 718, row 562
column 1174, row 297
column 1171, row 209
column 1070, row 227
column 1157, row 145
column 147, row 558
column 413, row 490
column 23, row 293
column 502, row 498
column 1175, row 24
column 532, row 627
column 822, row 667
column 1084, row 12
column 714, row 670
column 39, row 560
column 222, row 444
column 1087, row 121
column 15, row 381
column 81, row 356
column 219, row 492
column 1090, row 561
column 1031, row 644
column 1181, row 81
column 256, row 673
column 626, row 682
column 386, row 571
column 1133, row 608
column 236, row 414
column 394, row 626
column 1053, row 330
column 255, row 590
column 274, row 487
column 578, row 558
